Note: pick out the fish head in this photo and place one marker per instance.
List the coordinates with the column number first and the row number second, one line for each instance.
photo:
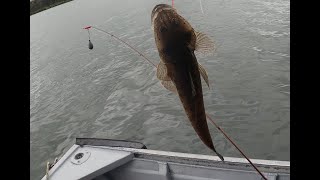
column 161, row 15
column 158, row 8
column 171, row 31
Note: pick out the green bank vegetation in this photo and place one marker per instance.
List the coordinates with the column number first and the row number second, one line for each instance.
column 41, row 5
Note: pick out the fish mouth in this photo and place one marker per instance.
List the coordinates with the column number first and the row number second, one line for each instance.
column 158, row 8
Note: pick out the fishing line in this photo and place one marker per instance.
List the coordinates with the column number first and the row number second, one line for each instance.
column 88, row 34
column 172, row 3
column 221, row 130
column 132, row 48
column 211, row 120
column 201, row 6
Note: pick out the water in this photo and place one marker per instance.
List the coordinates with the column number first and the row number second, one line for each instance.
column 109, row 92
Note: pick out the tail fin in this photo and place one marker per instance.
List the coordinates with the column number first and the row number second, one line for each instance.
column 220, row 156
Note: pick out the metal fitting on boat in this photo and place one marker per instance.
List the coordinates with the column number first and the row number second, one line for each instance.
column 80, row 157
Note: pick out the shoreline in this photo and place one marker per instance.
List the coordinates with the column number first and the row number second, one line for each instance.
column 37, row 6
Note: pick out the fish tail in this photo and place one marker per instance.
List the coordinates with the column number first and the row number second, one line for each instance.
column 214, row 150
column 220, row 156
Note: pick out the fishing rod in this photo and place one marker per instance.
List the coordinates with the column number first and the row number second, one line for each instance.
column 211, row 120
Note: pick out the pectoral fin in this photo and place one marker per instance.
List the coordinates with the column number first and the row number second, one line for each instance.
column 162, row 75
column 162, row 72
column 204, row 44
column 170, row 86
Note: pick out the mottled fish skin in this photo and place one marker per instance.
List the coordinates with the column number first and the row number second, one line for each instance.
column 176, row 40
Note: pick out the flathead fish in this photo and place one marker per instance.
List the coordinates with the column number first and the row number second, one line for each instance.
column 179, row 70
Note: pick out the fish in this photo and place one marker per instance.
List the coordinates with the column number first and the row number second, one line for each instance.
column 178, row 69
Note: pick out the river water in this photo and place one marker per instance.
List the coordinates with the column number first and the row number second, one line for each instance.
column 110, row 92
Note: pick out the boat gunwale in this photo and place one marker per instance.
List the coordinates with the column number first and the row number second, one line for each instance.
column 198, row 156
column 176, row 158
column 267, row 166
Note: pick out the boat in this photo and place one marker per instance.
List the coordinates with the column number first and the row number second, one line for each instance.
column 108, row 159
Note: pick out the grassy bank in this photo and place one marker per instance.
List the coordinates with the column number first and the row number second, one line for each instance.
column 41, row 5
